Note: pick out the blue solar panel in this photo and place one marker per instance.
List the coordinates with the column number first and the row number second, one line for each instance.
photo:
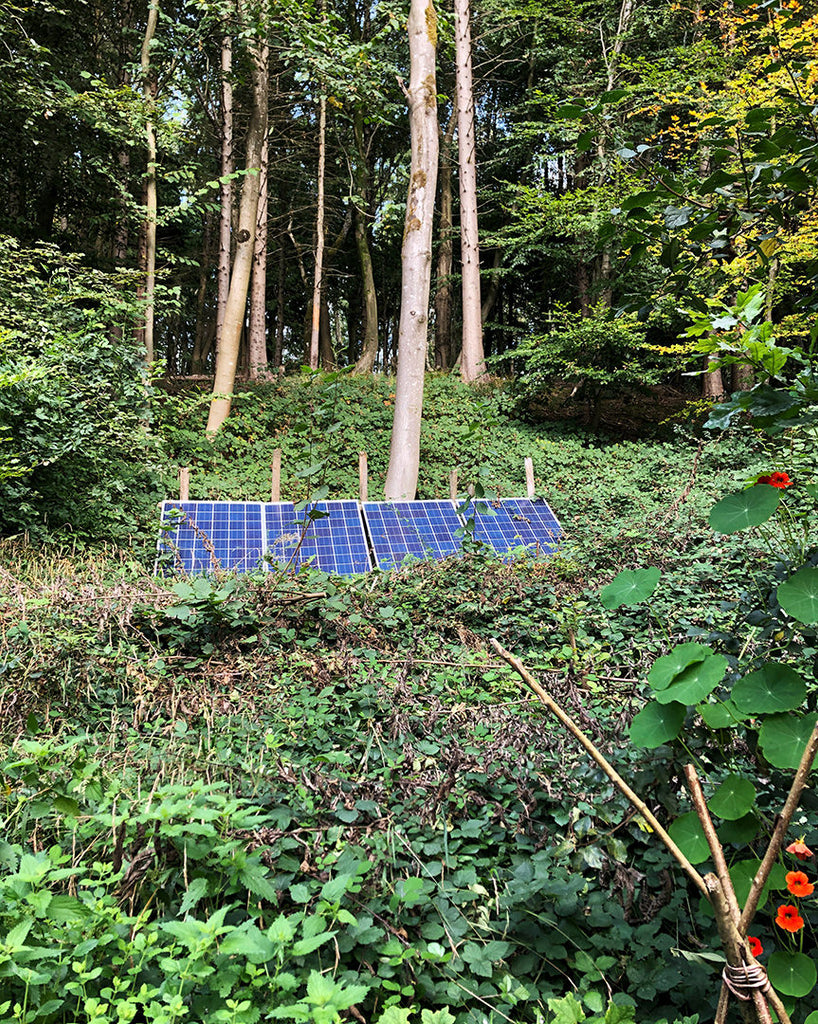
column 204, row 536
column 516, row 522
column 412, row 529
column 329, row 535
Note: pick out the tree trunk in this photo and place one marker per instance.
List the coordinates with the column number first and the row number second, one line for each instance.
column 443, row 295
column 196, row 359
column 369, row 347
column 712, row 382
column 257, row 330
column 278, row 351
column 228, row 354
column 319, row 242
column 149, row 91
column 472, row 364
column 416, row 254
column 228, row 164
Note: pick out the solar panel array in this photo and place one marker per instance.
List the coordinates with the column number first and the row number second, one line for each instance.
column 204, row 536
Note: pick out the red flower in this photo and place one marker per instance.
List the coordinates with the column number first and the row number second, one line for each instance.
column 775, row 480
column 800, row 849
column 789, row 919
column 798, row 884
column 755, row 945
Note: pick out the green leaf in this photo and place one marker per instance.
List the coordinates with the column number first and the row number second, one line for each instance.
column 771, row 688
column 733, row 799
column 668, row 667
column 395, row 1015
column 686, row 832
column 677, row 216
column 721, row 715
column 747, row 508
column 441, row 1016
column 336, row 887
column 798, row 595
column 630, row 587
column 742, row 831
column 254, row 876
column 248, row 941
column 305, row 946
column 656, row 724
column 792, row 974
column 695, row 682
column 783, row 738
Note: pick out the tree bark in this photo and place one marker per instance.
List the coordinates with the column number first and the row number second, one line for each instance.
column 472, row 359
column 416, row 254
column 149, row 92
column 369, row 346
column 226, row 186
column 319, row 242
column 228, row 354
column 443, row 294
column 257, row 328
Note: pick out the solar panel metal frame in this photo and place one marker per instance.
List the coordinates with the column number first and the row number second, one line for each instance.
column 324, row 546
column 516, row 522
column 410, row 522
column 215, row 543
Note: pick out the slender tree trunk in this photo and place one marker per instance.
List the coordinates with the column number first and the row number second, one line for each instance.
column 149, row 91
column 227, row 168
column 196, row 362
column 472, row 364
column 257, row 330
column 443, row 294
column 712, row 382
column 416, row 254
column 278, row 351
column 228, row 354
column 369, row 347
column 325, row 337
column 319, row 231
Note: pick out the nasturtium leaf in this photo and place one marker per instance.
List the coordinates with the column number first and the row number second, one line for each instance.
column 813, row 1018
column 668, row 667
column 770, row 689
column 721, row 715
column 656, row 724
column 782, row 738
column 695, row 682
column 686, row 832
column 742, row 831
column 747, row 508
column 630, row 587
column 792, row 974
column 742, row 874
column 798, row 595
column 733, row 799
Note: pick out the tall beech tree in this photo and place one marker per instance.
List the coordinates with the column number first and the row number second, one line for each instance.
column 472, row 364
column 228, row 353
column 416, row 253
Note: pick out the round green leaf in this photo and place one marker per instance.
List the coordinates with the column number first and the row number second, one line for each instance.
column 722, row 715
column 742, row 831
column 782, row 738
column 747, row 508
column 798, row 595
column 813, row 1018
column 772, row 688
column 656, row 724
column 630, row 587
column 792, row 974
column 733, row 799
column 666, row 668
column 742, row 874
column 686, row 832
column 695, row 682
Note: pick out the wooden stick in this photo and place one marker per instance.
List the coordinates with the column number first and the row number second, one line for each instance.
column 545, row 698
column 275, row 480
column 363, row 476
column 529, row 477
column 453, row 485
column 184, row 483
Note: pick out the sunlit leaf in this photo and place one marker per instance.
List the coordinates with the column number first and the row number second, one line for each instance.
column 747, row 508
column 798, row 595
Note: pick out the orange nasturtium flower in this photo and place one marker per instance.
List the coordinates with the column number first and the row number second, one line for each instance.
column 798, row 884
column 789, row 919
column 755, row 945
column 800, row 849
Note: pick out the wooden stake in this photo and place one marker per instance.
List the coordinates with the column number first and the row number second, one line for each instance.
column 453, row 485
column 363, row 476
column 184, row 483
column 529, row 477
column 275, row 483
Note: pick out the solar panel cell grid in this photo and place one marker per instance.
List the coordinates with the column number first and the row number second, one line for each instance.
column 333, row 536
column 203, row 536
column 516, row 522
column 412, row 529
